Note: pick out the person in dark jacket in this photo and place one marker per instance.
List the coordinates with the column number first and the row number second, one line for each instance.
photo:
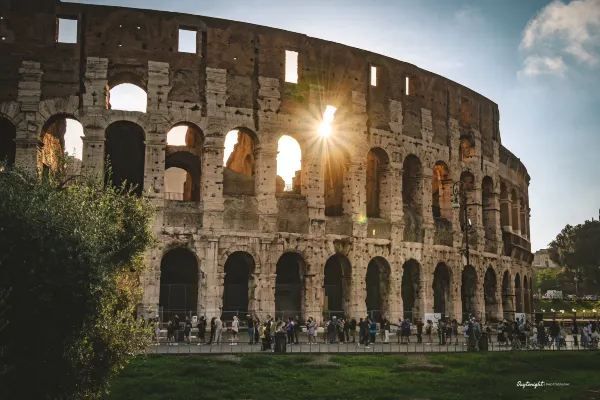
column 419, row 331
column 201, row 329
column 352, row 329
column 554, row 334
column 362, row 331
column 212, row 330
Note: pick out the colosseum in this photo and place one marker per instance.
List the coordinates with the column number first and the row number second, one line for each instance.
column 403, row 202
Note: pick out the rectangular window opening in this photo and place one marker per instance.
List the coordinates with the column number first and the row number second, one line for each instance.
column 407, row 86
column 373, row 75
column 67, row 30
column 187, row 41
column 291, row 66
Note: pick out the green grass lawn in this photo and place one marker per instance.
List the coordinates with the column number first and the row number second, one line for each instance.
column 438, row 376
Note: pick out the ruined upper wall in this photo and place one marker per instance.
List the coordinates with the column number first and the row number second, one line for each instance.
column 129, row 38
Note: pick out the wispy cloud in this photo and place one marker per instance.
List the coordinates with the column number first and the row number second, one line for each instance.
column 559, row 34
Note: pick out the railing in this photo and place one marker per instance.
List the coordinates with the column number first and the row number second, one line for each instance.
column 393, row 346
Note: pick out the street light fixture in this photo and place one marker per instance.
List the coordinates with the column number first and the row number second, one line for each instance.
column 459, row 196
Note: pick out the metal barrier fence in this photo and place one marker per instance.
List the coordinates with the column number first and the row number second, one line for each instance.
column 396, row 344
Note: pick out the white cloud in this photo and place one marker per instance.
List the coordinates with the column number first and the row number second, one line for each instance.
column 536, row 65
column 562, row 32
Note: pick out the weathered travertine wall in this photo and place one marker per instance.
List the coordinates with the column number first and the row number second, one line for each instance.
column 236, row 80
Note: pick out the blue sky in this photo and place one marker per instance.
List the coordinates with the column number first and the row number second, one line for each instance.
column 538, row 60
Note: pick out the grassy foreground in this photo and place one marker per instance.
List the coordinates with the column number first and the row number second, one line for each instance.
column 437, row 376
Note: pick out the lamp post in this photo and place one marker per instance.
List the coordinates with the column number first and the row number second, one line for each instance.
column 459, row 196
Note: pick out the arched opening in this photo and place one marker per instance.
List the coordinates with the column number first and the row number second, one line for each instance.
column 289, row 164
column 125, row 154
column 468, row 292
column 337, row 280
column 335, row 161
column 467, row 199
column 239, row 268
column 441, row 203
column 526, row 295
column 489, row 294
column 8, row 134
column 466, row 149
column 412, row 198
column 378, row 288
column 289, row 284
column 239, row 159
column 62, row 145
column 489, row 210
column 182, row 176
column 516, row 210
column 411, row 289
column 507, row 303
column 377, row 183
column 178, row 283
column 442, row 301
column 183, row 163
column 518, row 294
column 128, row 97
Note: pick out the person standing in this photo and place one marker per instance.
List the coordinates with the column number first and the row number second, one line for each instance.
column 346, row 330
column 419, row 330
column 575, row 333
column 332, row 329
column 353, row 329
column 297, row 326
column 554, row 334
column 362, row 331
column 372, row 330
column 386, row 330
column 428, row 330
column 201, row 329
column 235, row 328
column 212, row 330
column 187, row 329
column 218, row 330
column 250, row 323
column 455, row 330
column 289, row 330
column 311, row 327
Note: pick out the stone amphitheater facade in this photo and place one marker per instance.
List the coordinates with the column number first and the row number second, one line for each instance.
column 369, row 225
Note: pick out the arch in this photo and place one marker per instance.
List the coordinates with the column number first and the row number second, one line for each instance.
column 411, row 289
column 515, row 211
column 237, row 284
column 468, row 291
column 441, row 192
column 507, row 297
column 8, row 134
column 337, row 284
column 239, row 159
column 185, row 134
column 378, row 288
column 289, row 165
column 518, row 294
column 182, row 176
column 125, row 154
column 488, row 208
column 335, row 164
column 178, row 283
column 442, row 295
column 127, row 96
column 60, row 135
column 377, row 181
column 412, row 198
column 289, row 285
column 490, row 287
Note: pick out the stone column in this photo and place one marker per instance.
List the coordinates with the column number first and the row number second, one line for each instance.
column 211, row 191
column 426, row 211
column 312, row 188
column 266, row 173
column 212, row 297
column 93, row 153
column 28, row 132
